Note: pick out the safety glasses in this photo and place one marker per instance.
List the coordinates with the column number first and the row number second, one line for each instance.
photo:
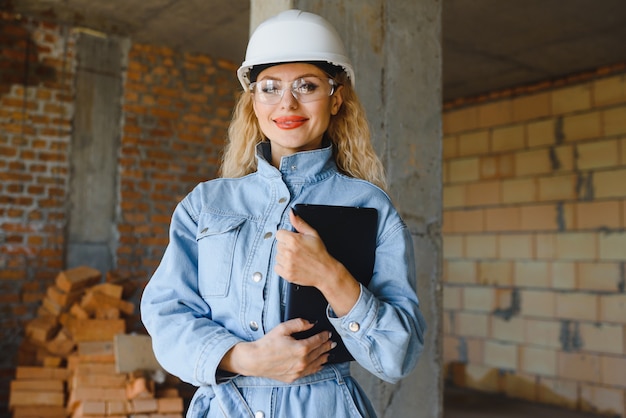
column 303, row 89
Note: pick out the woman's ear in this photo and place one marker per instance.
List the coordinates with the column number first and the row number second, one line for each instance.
column 336, row 101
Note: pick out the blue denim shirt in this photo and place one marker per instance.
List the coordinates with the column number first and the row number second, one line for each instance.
column 216, row 286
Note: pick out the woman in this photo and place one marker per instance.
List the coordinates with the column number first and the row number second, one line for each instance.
column 214, row 306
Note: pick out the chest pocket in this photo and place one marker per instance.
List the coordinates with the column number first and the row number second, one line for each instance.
column 216, row 238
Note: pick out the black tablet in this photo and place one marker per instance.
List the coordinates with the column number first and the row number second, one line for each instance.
column 349, row 234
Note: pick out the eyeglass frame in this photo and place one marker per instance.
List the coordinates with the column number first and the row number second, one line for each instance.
column 334, row 85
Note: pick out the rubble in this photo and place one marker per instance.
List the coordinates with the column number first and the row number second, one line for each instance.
column 67, row 362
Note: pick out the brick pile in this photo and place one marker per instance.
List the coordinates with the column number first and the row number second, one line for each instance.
column 67, row 363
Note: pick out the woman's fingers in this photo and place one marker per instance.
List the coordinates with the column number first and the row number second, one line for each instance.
column 302, row 258
column 300, row 225
column 280, row 356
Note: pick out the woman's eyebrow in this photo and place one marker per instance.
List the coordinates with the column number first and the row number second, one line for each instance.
column 269, row 77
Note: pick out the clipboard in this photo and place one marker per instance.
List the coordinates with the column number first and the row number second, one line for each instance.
column 349, row 234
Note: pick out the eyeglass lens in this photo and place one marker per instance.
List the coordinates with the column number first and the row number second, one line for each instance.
column 305, row 89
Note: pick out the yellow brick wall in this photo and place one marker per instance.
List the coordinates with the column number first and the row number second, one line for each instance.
column 534, row 231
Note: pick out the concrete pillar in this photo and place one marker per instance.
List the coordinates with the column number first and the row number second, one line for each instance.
column 395, row 46
column 262, row 9
column 94, row 152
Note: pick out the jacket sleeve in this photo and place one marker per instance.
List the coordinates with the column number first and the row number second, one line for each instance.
column 384, row 331
column 186, row 341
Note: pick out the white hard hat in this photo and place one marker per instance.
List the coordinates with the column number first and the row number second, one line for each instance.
column 294, row 36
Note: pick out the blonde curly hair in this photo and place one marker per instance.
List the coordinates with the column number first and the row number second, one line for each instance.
column 348, row 130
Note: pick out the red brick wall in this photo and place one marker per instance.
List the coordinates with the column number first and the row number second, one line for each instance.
column 36, row 89
column 535, row 243
column 176, row 109
column 36, row 70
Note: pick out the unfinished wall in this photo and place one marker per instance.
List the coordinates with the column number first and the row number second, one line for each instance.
column 176, row 107
column 176, row 110
column 36, row 109
column 535, row 243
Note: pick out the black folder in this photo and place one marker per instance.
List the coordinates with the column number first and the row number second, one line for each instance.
column 349, row 234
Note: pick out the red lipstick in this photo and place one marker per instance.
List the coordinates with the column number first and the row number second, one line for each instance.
column 290, row 122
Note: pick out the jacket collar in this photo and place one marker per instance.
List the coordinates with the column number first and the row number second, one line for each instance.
column 305, row 166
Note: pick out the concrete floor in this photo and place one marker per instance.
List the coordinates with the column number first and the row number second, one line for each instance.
column 460, row 403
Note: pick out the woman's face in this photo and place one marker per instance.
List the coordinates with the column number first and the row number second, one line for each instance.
column 292, row 126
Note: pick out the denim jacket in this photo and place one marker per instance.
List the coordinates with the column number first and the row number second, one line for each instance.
column 216, row 286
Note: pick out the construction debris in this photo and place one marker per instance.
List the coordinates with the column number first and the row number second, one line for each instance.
column 67, row 363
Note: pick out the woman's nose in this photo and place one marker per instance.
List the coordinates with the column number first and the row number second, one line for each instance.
column 289, row 99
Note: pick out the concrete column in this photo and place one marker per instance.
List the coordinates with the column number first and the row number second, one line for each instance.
column 396, row 51
column 94, row 152
column 262, row 9
column 411, row 130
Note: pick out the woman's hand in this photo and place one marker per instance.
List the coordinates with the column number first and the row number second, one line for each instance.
column 301, row 258
column 277, row 355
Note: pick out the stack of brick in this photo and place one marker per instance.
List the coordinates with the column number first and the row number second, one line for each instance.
column 68, row 360
column 38, row 392
column 97, row 390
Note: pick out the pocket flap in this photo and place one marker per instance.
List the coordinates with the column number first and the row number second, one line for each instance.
column 216, row 226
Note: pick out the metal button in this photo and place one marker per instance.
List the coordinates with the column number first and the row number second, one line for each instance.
column 267, row 235
column 294, row 167
column 282, row 200
column 254, row 326
column 257, row 277
column 354, row 326
column 259, row 414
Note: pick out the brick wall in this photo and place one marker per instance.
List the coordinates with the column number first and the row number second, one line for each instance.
column 36, row 72
column 535, row 243
column 176, row 109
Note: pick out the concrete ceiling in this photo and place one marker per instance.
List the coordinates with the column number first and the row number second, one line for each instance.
column 487, row 44
column 493, row 44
